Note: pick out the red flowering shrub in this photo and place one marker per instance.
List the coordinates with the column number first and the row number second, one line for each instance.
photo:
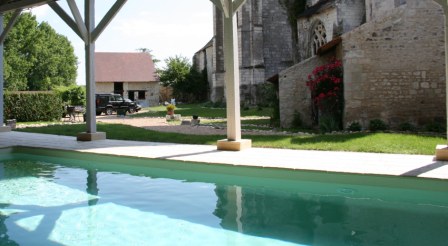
column 327, row 94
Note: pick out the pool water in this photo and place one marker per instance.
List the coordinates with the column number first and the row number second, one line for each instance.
column 65, row 198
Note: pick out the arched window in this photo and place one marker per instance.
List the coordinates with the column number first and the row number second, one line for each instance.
column 319, row 36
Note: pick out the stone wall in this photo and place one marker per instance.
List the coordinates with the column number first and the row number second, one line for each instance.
column 380, row 8
column 351, row 14
column 265, row 47
column 104, row 87
column 217, row 82
column 394, row 67
column 277, row 39
column 152, row 92
column 294, row 95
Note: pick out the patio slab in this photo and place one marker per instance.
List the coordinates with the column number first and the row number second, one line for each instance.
column 331, row 161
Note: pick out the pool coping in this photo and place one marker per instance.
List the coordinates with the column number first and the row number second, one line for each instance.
column 424, row 166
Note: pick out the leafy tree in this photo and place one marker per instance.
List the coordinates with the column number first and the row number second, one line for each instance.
column 36, row 57
column 195, row 86
column 149, row 51
column 176, row 71
column 188, row 84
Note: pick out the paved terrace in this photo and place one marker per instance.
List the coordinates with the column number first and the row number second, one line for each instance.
column 347, row 162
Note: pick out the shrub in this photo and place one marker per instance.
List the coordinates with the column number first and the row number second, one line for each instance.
column 436, row 126
column 326, row 86
column 406, row 126
column 297, row 120
column 219, row 104
column 328, row 124
column 355, row 127
column 377, row 125
column 32, row 106
column 72, row 95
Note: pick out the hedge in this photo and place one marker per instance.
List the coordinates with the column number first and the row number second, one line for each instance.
column 32, row 106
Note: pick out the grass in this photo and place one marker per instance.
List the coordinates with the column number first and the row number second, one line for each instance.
column 188, row 110
column 356, row 142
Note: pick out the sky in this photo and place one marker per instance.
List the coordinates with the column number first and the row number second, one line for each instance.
column 167, row 27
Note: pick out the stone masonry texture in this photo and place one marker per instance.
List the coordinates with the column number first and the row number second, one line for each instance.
column 394, row 67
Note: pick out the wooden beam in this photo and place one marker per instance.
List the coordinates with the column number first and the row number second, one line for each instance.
column 218, row 4
column 107, row 18
column 223, row 6
column 78, row 19
column 66, row 18
column 237, row 4
column 4, row 7
column 10, row 24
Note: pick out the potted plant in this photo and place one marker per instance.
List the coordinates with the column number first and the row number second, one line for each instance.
column 170, row 109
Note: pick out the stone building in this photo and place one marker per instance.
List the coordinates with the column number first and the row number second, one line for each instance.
column 132, row 75
column 393, row 58
column 265, row 48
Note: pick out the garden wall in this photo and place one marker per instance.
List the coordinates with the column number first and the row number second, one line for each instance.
column 294, row 95
column 394, row 67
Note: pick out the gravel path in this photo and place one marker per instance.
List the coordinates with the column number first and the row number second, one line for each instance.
column 161, row 125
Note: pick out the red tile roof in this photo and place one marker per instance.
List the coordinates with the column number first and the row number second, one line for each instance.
column 124, row 67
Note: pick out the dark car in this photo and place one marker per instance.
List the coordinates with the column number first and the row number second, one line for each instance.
column 110, row 103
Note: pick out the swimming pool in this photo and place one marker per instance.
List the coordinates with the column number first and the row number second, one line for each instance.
column 67, row 198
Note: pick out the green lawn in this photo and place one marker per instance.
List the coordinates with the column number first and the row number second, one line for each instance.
column 357, row 142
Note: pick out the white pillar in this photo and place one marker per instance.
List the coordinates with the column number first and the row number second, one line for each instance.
column 91, row 133
column 232, row 78
column 90, row 66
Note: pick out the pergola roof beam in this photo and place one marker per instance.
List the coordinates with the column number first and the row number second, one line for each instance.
column 13, row 5
column 107, row 18
column 221, row 4
column 78, row 19
column 66, row 18
column 237, row 4
column 11, row 23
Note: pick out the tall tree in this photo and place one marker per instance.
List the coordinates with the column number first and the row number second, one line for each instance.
column 188, row 84
column 176, row 71
column 36, row 57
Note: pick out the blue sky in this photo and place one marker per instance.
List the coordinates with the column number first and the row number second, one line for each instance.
column 167, row 27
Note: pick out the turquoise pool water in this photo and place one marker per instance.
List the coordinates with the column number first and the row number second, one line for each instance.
column 65, row 198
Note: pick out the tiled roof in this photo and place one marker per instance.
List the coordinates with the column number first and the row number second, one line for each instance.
column 124, row 67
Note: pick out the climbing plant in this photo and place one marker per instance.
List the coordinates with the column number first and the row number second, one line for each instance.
column 326, row 86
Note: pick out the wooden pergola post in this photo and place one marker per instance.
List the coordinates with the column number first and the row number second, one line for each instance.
column 87, row 31
column 232, row 77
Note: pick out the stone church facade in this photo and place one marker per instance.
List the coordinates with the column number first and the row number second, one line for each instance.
column 392, row 52
column 265, row 49
column 393, row 58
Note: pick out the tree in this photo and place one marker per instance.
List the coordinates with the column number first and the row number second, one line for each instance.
column 188, row 84
column 36, row 57
column 149, row 51
column 176, row 71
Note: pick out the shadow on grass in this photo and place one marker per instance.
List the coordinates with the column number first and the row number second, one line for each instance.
column 337, row 138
